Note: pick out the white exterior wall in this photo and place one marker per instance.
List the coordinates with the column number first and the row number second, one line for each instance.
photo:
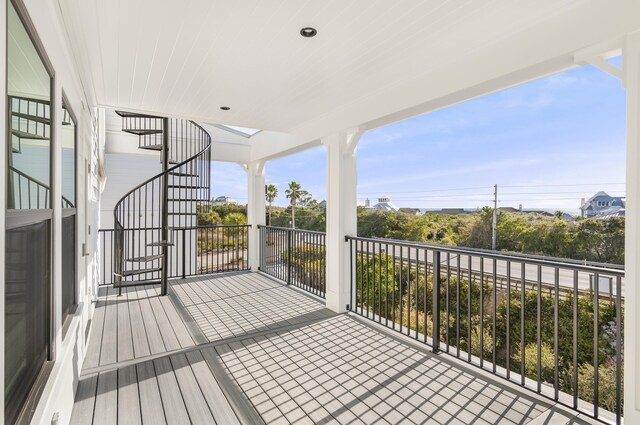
column 58, row 394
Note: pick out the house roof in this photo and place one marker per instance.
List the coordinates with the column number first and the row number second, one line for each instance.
column 618, row 200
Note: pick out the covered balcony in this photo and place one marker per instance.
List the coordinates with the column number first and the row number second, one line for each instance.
column 123, row 307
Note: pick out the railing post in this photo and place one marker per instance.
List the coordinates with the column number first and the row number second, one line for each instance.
column 165, row 207
column 184, row 252
column 289, row 238
column 435, row 313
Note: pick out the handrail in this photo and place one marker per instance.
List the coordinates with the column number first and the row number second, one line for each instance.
column 291, row 229
column 66, row 203
column 149, row 180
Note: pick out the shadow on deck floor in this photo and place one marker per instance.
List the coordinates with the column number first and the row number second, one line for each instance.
column 242, row 348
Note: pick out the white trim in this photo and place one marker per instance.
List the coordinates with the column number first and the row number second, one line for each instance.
column 631, row 59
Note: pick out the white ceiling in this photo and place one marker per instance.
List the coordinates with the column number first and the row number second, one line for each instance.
column 187, row 58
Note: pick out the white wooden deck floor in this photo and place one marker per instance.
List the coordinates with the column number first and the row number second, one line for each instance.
column 242, row 348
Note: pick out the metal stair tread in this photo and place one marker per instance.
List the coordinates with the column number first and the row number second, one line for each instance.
column 181, row 186
column 144, row 259
column 36, row 118
column 161, row 243
column 180, row 174
column 126, row 273
column 25, row 135
column 151, row 147
column 142, row 131
column 126, row 114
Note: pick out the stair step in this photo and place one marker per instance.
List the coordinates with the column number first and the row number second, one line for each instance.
column 14, row 150
column 151, row 147
column 185, row 200
column 144, row 259
column 36, row 118
column 127, row 283
column 180, row 186
column 25, row 135
column 138, row 271
column 161, row 243
column 179, row 174
column 142, row 131
column 126, row 114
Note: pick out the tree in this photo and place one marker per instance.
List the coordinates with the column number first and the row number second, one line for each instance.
column 295, row 194
column 235, row 219
column 270, row 195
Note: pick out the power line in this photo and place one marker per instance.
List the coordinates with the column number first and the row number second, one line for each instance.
column 568, row 185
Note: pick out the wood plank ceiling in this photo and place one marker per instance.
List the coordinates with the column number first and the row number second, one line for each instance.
column 190, row 57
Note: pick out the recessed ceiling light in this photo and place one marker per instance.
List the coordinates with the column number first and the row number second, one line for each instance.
column 308, row 32
column 225, row 108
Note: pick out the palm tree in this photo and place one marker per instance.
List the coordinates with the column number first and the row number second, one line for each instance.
column 270, row 195
column 295, row 194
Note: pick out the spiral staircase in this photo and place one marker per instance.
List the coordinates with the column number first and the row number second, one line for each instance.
column 148, row 217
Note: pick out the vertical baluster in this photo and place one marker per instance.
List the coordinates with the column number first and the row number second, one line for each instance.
column 508, row 321
column 447, row 312
column 556, row 347
column 409, row 290
column 539, row 328
column 470, row 285
column 575, row 339
column 393, row 294
column 596, row 338
column 481, row 333
column 458, row 265
column 618, row 343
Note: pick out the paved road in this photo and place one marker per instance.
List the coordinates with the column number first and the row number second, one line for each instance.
column 565, row 274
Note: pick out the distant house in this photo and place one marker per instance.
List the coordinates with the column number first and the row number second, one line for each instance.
column 410, row 211
column 224, row 200
column 601, row 205
column 322, row 205
column 385, row 204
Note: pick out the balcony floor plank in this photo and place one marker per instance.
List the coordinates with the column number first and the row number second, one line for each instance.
column 241, row 348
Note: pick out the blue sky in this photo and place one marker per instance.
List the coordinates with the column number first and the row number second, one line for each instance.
column 546, row 144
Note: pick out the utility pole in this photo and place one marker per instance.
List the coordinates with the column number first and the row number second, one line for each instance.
column 495, row 217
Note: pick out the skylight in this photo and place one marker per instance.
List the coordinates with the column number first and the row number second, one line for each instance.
column 244, row 130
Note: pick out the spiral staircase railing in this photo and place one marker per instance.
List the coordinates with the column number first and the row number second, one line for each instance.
column 145, row 216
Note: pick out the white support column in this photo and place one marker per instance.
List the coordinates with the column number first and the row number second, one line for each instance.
column 256, row 209
column 631, row 66
column 342, row 209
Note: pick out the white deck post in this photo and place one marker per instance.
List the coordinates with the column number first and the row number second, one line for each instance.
column 256, row 209
column 631, row 66
column 342, row 207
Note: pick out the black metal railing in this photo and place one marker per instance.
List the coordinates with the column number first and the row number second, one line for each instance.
column 196, row 250
column 549, row 325
column 30, row 193
column 146, row 217
column 294, row 256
